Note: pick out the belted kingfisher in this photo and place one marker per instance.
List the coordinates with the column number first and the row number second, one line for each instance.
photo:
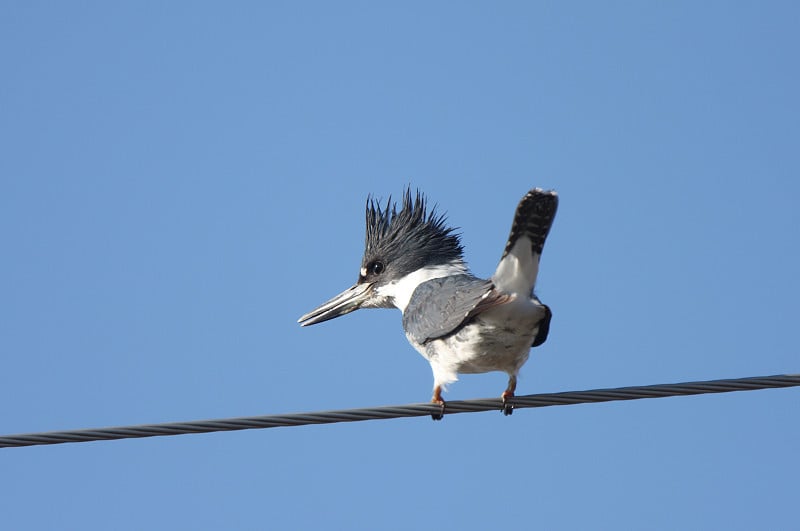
column 458, row 322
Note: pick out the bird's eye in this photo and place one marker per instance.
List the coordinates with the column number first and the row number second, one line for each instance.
column 376, row 268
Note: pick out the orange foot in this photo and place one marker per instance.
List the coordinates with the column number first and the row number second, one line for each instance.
column 508, row 408
column 437, row 399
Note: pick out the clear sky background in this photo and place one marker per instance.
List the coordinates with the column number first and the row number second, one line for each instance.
column 180, row 181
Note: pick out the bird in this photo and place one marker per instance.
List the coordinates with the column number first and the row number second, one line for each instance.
column 461, row 324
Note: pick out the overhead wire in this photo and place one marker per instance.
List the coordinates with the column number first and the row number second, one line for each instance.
column 400, row 411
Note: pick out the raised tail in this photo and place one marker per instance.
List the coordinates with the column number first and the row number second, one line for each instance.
column 519, row 264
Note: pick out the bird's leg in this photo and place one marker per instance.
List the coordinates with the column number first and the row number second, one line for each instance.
column 508, row 408
column 437, row 399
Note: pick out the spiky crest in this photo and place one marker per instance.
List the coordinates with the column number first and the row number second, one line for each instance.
column 411, row 238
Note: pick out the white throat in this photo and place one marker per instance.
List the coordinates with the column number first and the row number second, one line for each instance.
column 400, row 291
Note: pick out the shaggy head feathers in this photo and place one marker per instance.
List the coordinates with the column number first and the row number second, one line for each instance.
column 409, row 239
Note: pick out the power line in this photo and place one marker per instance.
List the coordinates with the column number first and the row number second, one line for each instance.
column 409, row 410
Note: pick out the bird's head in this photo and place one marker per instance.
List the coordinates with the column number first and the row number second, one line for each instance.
column 398, row 245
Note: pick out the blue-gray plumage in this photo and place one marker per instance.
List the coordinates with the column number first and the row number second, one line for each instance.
column 458, row 322
column 441, row 305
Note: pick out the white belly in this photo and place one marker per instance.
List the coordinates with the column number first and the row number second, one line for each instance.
column 499, row 339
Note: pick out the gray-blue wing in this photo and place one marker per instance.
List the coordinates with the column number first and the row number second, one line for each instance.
column 441, row 305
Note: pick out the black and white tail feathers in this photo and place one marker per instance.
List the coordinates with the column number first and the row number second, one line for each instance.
column 533, row 219
column 519, row 264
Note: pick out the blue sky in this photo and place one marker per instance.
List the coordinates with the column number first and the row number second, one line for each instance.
column 180, row 182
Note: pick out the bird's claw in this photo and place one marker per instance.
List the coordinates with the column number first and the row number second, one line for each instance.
column 440, row 414
column 508, row 407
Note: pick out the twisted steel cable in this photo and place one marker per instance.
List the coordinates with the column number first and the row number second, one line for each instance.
column 409, row 410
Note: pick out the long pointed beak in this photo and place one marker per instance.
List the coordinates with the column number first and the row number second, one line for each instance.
column 347, row 301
